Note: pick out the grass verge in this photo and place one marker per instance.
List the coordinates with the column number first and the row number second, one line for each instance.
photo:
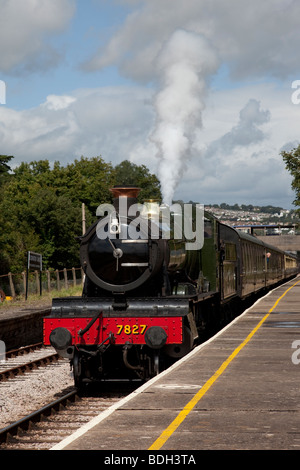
column 39, row 300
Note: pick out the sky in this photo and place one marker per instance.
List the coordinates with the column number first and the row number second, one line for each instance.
column 204, row 93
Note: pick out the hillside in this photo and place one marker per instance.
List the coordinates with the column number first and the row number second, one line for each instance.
column 252, row 215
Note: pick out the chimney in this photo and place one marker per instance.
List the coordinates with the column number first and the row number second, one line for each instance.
column 129, row 192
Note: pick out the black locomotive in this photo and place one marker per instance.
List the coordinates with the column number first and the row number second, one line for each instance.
column 149, row 294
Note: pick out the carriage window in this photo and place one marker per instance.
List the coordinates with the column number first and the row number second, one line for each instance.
column 207, row 228
column 230, row 252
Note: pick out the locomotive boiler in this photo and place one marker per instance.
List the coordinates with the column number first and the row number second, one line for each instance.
column 155, row 280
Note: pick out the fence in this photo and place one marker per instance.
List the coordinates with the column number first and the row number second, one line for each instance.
column 15, row 284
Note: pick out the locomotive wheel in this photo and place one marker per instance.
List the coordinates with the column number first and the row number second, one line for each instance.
column 77, row 373
column 156, row 364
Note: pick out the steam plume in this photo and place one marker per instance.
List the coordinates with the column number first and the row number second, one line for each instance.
column 184, row 64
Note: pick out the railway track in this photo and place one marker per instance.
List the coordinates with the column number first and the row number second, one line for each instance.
column 26, row 359
column 44, row 428
column 32, row 427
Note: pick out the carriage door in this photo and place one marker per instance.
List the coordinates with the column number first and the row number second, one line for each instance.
column 229, row 270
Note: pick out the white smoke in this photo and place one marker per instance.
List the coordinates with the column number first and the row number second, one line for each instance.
column 184, row 64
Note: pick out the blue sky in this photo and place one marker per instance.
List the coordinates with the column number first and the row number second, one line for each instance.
column 92, row 22
column 198, row 91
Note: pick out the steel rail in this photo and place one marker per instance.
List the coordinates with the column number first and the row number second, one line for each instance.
column 28, row 366
column 23, row 350
column 23, row 424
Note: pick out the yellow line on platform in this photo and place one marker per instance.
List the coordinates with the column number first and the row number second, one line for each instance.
column 166, row 434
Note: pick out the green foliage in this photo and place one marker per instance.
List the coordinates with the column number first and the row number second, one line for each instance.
column 4, row 159
column 129, row 174
column 41, row 207
column 4, row 169
column 292, row 161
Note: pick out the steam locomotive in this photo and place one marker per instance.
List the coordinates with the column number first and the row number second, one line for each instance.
column 151, row 291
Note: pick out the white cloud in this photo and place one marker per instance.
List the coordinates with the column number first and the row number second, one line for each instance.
column 55, row 102
column 105, row 121
column 256, row 38
column 117, row 123
column 232, row 169
column 246, row 132
column 25, row 26
column 230, row 139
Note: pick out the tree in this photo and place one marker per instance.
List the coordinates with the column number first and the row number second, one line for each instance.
column 4, row 167
column 40, row 207
column 4, row 159
column 130, row 174
column 85, row 180
column 292, row 161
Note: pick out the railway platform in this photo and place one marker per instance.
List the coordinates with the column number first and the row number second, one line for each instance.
column 22, row 325
column 238, row 391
